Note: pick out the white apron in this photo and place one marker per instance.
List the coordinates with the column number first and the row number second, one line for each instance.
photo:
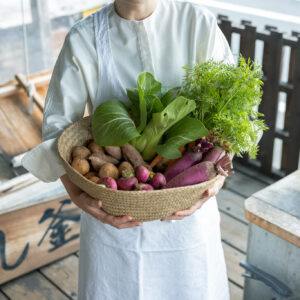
column 181, row 260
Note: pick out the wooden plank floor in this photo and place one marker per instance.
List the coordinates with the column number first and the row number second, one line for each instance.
column 59, row 279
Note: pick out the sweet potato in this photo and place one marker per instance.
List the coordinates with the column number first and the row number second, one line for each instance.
column 214, row 154
column 114, row 151
column 133, row 156
column 105, row 157
column 189, row 159
column 97, row 162
column 94, row 148
column 198, row 173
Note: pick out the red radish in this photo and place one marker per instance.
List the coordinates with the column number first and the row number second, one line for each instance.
column 109, row 182
column 127, row 184
column 142, row 174
column 158, row 181
column 143, row 187
column 214, row 154
column 204, row 171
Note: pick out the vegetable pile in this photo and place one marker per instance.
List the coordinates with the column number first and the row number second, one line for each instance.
column 175, row 136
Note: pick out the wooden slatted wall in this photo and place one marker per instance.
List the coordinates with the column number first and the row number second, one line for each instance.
column 272, row 59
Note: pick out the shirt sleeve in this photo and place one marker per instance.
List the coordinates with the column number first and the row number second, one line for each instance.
column 212, row 42
column 65, row 103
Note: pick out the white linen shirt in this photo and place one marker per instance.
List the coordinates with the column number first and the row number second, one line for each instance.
column 180, row 30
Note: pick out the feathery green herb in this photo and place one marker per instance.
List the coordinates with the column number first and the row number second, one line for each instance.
column 226, row 97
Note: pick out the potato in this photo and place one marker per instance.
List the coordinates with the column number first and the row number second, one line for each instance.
column 81, row 165
column 94, row 179
column 109, row 170
column 125, row 166
column 133, row 156
column 80, row 152
column 95, row 148
column 89, row 175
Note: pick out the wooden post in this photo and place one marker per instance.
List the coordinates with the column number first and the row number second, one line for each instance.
column 247, row 50
column 291, row 146
column 225, row 26
column 269, row 104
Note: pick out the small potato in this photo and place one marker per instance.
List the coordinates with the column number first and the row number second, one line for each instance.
column 109, row 170
column 94, row 179
column 80, row 152
column 89, row 175
column 81, row 165
column 125, row 166
column 95, row 148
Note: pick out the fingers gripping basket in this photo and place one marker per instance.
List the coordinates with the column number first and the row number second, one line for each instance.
column 141, row 205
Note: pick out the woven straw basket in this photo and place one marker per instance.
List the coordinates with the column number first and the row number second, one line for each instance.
column 141, row 205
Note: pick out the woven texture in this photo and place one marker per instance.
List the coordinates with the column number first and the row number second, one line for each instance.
column 141, row 205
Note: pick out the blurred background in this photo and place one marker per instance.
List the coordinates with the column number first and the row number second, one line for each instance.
column 35, row 215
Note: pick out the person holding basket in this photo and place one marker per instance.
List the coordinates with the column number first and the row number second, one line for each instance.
column 102, row 54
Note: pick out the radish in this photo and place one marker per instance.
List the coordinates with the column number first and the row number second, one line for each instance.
column 143, row 187
column 127, row 184
column 189, row 159
column 109, row 182
column 158, row 181
column 142, row 174
column 201, row 172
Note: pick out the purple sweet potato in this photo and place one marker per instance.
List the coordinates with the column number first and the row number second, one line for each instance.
column 142, row 174
column 214, row 154
column 127, row 184
column 158, row 181
column 186, row 161
column 198, row 173
column 109, row 182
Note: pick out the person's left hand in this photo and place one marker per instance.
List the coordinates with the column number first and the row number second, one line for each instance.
column 212, row 191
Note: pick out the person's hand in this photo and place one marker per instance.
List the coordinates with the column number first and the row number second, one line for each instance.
column 211, row 192
column 93, row 206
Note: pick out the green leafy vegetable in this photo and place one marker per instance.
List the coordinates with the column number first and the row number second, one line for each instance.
column 112, row 124
column 226, row 97
column 183, row 132
column 148, row 87
column 160, row 123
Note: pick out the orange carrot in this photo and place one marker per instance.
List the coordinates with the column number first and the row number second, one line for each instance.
column 173, row 161
column 191, row 145
column 156, row 160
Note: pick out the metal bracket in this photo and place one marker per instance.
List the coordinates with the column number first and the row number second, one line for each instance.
column 255, row 273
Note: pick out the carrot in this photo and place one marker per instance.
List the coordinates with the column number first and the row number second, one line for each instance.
column 173, row 161
column 156, row 160
column 191, row 145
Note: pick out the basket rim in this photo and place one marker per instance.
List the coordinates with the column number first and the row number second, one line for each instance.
column 151, row 192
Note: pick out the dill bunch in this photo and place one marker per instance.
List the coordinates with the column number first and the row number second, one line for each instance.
column 226, row 97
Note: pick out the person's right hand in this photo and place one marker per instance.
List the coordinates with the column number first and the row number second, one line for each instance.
column 93, row 206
